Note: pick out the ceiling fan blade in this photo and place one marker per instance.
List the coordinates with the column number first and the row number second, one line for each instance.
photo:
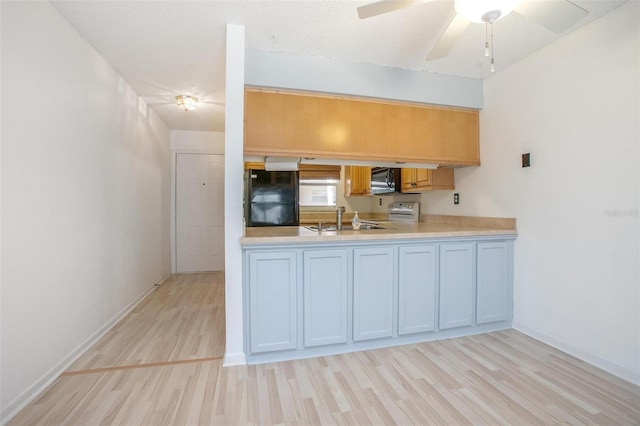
column 449, row 37
column 554, row 15
column 385, row 6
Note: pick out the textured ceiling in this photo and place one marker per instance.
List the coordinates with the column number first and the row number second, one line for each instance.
column 166, row 48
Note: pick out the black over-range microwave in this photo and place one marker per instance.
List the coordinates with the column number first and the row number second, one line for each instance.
column 385, row 180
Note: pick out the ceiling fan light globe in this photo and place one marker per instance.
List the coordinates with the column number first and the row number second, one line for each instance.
column 475, row 10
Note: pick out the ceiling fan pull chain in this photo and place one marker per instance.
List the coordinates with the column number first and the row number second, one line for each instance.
column 493, row 63
column 486, row 39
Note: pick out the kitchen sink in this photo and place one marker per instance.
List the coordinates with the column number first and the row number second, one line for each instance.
column 363, row 227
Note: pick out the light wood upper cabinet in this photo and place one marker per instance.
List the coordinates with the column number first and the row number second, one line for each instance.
column 254, row 165
column 317, row 171
column 357, row 180
column 307, row 171
column 297, row 124
column 414, row 180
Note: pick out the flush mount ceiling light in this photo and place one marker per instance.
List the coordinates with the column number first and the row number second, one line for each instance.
column 187, row 102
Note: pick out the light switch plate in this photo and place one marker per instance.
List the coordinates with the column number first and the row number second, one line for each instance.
column 526, row 160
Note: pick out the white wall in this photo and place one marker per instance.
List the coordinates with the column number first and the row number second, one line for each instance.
column 86, row 196
column 197, row 142
column 575, row 106
column 312, row 73
column 233, row 189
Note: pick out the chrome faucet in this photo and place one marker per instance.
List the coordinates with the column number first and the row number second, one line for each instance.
column 339, row 212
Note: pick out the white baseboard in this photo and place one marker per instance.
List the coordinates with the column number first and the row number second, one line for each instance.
column 604, row 364
column 231, row 360
column 40, row 385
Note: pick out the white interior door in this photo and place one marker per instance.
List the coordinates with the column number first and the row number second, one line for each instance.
column 199, row 212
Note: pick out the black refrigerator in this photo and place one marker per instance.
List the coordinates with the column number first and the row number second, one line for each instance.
column 271, row 198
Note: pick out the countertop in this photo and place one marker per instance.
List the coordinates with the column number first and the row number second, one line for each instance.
column 465, row 227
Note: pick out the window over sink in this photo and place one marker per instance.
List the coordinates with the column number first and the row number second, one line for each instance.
column 318, row 192
column 318, row 186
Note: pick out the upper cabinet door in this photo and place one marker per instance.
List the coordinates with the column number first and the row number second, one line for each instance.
column 424, row 177
column 300, row 124
column 416, row 180
column 408, row 179
column 357, row 180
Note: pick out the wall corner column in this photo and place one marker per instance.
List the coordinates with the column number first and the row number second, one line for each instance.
column 233, row 178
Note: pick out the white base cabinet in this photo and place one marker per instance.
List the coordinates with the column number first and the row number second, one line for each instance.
column 456, row 285
column 305, row 300
column 273, row 291
column 417, row 282
column 373, row 289
column 326, row 297
column 492, row 302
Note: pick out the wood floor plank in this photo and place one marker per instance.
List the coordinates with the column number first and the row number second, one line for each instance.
column 162, row 365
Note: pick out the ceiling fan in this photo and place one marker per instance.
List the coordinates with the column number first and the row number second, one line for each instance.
column 556, row 15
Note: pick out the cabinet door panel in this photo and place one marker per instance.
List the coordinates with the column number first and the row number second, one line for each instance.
column 417, row 289
column 493, row 282
column 373, row 281
column 325, row 297
column 272, row 294
column 423, row 177
column 357, row 180
column 407, row 179
column 416, row 180
column 456, row 285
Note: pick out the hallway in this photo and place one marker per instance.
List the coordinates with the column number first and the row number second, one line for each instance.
column 159, row 364
column 182, row 320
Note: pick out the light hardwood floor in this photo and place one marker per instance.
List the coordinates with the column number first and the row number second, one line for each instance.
column 181, row 320
column 162, row 366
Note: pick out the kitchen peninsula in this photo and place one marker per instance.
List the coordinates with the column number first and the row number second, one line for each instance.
column 310, row 293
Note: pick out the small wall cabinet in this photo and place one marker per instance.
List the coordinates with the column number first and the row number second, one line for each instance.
column 357, row 180
column 414, row 180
